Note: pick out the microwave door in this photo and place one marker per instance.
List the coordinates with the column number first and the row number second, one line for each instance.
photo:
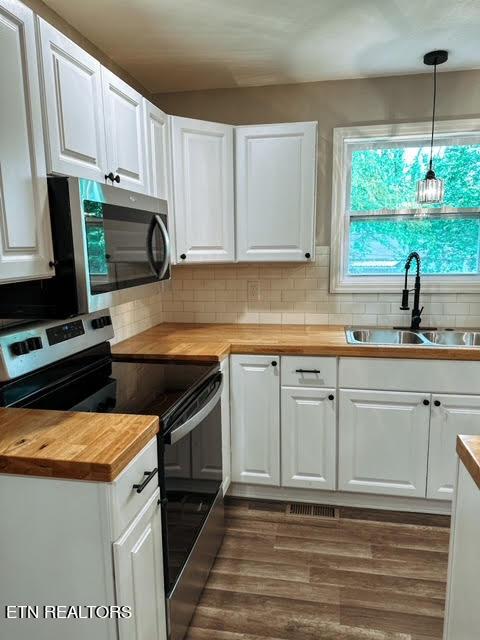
column 126, row 248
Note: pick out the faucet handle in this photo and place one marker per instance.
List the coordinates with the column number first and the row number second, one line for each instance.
column 420, row 312
column 405, row 306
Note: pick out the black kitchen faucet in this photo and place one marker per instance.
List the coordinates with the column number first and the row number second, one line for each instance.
column 416, row 311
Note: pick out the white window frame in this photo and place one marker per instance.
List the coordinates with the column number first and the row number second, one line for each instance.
column 343, row 137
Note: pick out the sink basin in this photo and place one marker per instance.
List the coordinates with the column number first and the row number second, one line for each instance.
column 426, row 338
column 453, row 338
column 383, row 336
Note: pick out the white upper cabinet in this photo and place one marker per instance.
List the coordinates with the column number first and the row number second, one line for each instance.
column 25, row 237
column 124, row 110
column 255, row 406
column 275, row 191
column 203, row 190
column 73, row 107
column 383, row 442
column 158, row 145
column 451, row 416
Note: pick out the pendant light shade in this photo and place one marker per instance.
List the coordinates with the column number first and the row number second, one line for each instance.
column 430, row 190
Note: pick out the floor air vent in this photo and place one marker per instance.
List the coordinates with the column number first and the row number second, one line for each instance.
column 311, row 510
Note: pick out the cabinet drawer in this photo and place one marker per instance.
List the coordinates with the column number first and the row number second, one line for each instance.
column 126, row 502
column 397, row 374
column 308, row 372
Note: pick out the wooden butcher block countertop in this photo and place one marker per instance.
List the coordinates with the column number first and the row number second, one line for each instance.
column 211, row 342
column 81, row 446
column 468, row 449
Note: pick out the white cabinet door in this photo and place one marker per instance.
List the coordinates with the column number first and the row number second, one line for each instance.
column 139, row 584
column 226, row 438
column 309, row 436
column 73, row 107
column 451, row 416
column 25, row 235
column 383, row 442
column 255, row 406
column 275, row 191
column 158, row 146
column 159, row 158
column 124, row 110
column 203, row 190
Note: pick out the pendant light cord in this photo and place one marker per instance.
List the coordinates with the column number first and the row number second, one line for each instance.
column 433, row 113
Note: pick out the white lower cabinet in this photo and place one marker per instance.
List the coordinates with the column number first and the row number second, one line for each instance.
column 383, row 442
column 308, row 430
column 451, row 416
column 138, row 563
column 255, row 406
column 86, row 543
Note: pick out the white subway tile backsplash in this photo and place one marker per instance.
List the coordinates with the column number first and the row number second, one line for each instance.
column 287, row 294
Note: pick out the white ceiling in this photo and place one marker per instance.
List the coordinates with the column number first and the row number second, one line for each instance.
column 178, row 45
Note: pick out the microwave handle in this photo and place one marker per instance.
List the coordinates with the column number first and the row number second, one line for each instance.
column 157, row 220
column 182, row 430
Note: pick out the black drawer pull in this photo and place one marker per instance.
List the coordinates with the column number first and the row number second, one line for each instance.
column 426, row 402
column 149, row 475
column 307, row 370
column 437, row 403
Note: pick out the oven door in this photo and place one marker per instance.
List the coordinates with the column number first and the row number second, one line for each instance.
column 125, row 243
column 190, row 485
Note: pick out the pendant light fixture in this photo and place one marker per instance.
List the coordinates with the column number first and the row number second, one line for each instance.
column 430, row 190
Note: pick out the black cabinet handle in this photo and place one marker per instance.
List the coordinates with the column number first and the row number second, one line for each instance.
column 112, row 177
column 307, row 370
column 149, row 476
column 183, row 256
column 307, row 255
column 426, row 402
column 274, row 363
column 437, row 403
column 331, row 397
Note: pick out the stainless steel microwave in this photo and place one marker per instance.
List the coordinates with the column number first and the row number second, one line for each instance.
column 110, row 245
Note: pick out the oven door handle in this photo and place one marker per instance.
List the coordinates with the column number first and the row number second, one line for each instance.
column 158, row 222
column 190, row 424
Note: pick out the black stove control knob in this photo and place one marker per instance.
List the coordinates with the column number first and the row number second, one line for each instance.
column 102, row 321
column 34, row 343
column 19, row 348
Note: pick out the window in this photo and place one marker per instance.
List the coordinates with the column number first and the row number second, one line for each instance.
column 376, row 221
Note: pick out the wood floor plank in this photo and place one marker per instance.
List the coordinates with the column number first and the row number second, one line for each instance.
column 332, row 547
column 407, row 536
column 377, row 565
column 277, row 587
column 258, row 569
column 384, row 600
column 401, row 517
column 390, row 584
column 391, row 621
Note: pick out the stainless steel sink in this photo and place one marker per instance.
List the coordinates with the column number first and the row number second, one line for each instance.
column 424, row 338
column 383, row 336
column 453, row 338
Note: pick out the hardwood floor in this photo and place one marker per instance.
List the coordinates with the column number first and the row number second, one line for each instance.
column 365, row 575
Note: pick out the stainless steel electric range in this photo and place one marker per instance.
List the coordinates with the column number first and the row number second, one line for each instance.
column 69, row 366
